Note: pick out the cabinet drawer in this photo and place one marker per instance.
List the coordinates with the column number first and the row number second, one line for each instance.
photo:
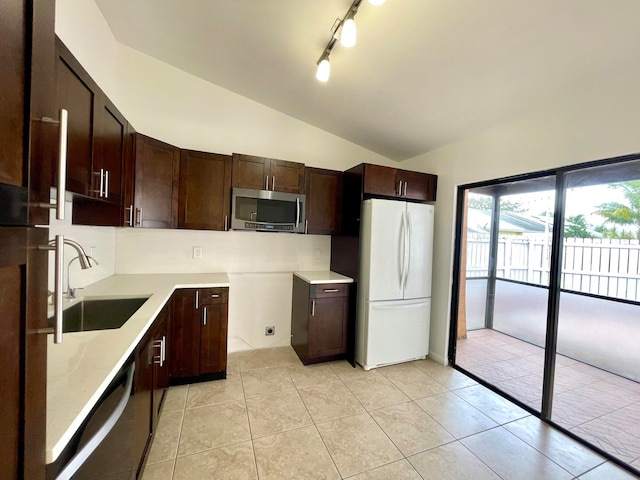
column 323, row 290
column 214, row 296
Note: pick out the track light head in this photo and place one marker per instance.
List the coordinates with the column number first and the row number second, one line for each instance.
column 324, row 69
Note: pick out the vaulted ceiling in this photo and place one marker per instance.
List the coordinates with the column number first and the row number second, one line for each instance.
column 423, row 73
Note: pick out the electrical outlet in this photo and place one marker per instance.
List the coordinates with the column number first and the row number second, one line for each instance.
column 268, row 331
column 197, row 253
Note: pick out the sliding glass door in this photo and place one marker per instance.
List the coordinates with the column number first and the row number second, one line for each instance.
column 596, row 393
column 547, row 298
column 502, row 314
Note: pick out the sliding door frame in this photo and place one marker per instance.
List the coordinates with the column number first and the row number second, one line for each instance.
column 554, row 288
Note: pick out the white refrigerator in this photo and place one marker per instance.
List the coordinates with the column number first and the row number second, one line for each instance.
column 394, row 292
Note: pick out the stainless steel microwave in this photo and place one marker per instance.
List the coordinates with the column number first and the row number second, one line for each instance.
column 267, row 211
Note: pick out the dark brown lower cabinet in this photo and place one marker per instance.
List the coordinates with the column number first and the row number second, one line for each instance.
column 150, row 383
column 198, row 342
column 319, row 320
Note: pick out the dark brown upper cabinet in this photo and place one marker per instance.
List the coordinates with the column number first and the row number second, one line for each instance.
column 393, row 182
column 110, row 129
column 95, row 143
column 157, row 170
column 74, row 93
column 205, row 191
column 324, row 201
column 260, row 173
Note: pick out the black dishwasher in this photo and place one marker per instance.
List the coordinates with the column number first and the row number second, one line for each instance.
column 102, row 448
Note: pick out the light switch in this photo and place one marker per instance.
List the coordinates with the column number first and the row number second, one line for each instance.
column 197, row 253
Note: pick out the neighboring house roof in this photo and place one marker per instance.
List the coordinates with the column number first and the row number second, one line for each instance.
column 480, row 221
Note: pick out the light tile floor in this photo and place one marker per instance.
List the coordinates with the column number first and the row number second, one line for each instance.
column 599, row 406
column 273, row 418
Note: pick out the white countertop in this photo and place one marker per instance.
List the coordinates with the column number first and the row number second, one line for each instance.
column 324, row 276
column 81, row 368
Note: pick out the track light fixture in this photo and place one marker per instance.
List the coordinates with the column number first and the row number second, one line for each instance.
column 347, row 33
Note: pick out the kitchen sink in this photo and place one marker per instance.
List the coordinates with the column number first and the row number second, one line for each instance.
column 103, row 314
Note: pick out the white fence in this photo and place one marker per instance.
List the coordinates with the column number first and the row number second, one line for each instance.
column 609, row 267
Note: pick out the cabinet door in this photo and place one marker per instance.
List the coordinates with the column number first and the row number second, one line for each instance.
column 328, row 326
column 185, row 335
column 250, row 172
column 205, row 190
column 23, row 352
column 143, row 397
column 213, row 338
column 157, row 167
column 380, row 180
column 417, row 186
column 128, row 178
column 109, row 143
column 324, row 201
column 286, row 176
column 74, row 94
column 160, row 367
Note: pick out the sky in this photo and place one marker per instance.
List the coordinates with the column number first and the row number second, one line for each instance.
column 580, row 200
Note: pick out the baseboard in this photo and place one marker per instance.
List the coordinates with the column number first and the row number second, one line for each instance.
column 438, row 358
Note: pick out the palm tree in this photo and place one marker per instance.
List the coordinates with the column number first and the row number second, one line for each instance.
column 620, row 214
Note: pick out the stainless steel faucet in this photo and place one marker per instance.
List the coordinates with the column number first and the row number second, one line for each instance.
column 83, row 258
column 71, row 292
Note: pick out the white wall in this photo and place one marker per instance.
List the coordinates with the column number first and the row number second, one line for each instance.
column 166, row 103
column 594, row 120
column 259, row 266
column 82, row 28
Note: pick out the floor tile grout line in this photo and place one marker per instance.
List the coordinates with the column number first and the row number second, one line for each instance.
column 482, row 461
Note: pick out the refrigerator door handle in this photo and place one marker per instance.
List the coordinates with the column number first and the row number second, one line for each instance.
column 408, row 255
column 401, row 250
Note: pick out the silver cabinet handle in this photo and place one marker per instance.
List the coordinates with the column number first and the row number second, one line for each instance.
column 106, row 184
column 331, row 290
column 405, row 189
column 130, row 208
column 159, row 344
column 400, row 188
column 313, row 308
column 57, row 245
column 266, row 182
column 164, row 348
column 297, row 211
column 306, row 226
column 215, row 295
column 138, row 217
column 204, row 316
column 226, row 224
column 61, row 186
column 197, row 299
column 100, row 190
column 273, row 183
column 62, row 168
